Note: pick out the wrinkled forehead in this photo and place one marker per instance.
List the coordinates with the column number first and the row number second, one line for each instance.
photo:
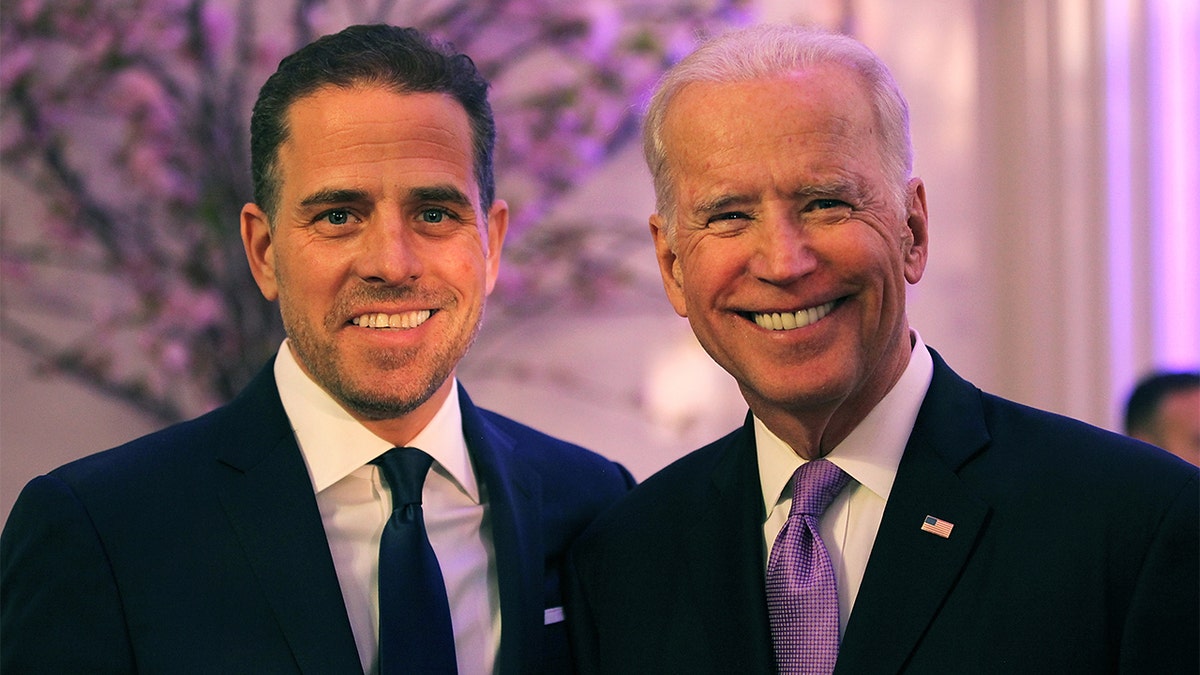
column 805, row 112
column 827, row 98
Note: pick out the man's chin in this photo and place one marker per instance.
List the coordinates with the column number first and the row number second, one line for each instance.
column 380, row 406
column 407, row 392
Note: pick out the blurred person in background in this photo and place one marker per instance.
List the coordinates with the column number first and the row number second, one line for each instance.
column 1164, row 410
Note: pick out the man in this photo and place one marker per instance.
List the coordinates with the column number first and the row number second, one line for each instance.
column 941, row 529
column 248, row 540
column 1164, row 410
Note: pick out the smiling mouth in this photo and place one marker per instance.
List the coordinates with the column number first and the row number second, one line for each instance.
column 792, row 320
column 381, row 320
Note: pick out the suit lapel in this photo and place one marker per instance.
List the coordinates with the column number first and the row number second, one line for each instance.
column 911, row 571
column 725, row 558
column 269, row 500
column 514, row 499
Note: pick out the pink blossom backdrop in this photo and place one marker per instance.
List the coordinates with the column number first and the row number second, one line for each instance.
column 128, row 120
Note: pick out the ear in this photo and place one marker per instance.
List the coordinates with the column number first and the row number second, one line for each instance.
column 497, row 228
column 668, row 265
column 915, row 244
column 257, row 239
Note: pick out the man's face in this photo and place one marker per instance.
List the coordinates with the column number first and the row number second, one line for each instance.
column 1177, row 424
column 791, row 252
column 380, row 255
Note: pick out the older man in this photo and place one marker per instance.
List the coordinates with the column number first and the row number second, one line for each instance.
column 876, row 513
column 351, row 510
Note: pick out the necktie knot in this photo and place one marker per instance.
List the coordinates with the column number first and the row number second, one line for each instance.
column 405, row 470
column 815, row 485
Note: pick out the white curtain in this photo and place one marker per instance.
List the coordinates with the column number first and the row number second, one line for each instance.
column 1060, row 144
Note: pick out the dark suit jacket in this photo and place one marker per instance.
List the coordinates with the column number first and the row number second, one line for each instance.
column 1074, row 550
column 200, row 548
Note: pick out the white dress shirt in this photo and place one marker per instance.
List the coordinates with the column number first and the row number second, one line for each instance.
column 355, row 504
column 871, row 455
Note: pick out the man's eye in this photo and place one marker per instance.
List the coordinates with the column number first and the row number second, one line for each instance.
column 337, row 217
column 729, row 215
column 433, row 215
column 820, row 204
column 728, row 222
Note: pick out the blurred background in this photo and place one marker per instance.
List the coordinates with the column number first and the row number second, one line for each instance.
column 1059, row 141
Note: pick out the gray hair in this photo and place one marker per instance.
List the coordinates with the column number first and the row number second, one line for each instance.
column 766, row 51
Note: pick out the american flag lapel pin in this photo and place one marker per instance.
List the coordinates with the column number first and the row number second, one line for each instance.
column 937, row 526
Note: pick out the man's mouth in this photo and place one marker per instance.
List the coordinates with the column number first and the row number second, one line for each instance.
column 403, row 320
column 790, row 320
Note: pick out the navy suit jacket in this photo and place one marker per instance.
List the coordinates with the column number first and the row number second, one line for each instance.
column 200, row 548
column 1073, row 550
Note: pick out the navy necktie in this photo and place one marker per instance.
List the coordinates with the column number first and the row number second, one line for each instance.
column 415, row 632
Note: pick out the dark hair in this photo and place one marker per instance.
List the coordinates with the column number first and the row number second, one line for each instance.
column 402, row 59
column 1148, row 394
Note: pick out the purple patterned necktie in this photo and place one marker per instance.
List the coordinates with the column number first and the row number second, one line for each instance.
column 801, row 591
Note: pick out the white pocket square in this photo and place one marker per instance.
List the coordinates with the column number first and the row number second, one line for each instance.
column 554, row 615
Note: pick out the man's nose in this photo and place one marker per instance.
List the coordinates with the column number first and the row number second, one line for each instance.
column 782, row 251
column 390, row 252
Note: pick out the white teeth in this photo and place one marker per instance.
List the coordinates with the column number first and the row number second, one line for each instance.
column 790, row 320
column 381, row 320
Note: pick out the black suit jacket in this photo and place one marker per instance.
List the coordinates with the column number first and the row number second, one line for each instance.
column 200, row 548
column 1074, row 550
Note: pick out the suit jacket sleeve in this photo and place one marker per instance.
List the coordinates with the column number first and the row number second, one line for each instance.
column 49, row 552
column 196, row 548
column 1165, row 595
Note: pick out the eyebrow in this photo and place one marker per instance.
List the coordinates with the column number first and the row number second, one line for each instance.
column 333, row 196
column 845, row 187
column 446, row 194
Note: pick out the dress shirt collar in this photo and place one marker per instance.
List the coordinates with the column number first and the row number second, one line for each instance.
column 334, row 444
column 871, row 453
